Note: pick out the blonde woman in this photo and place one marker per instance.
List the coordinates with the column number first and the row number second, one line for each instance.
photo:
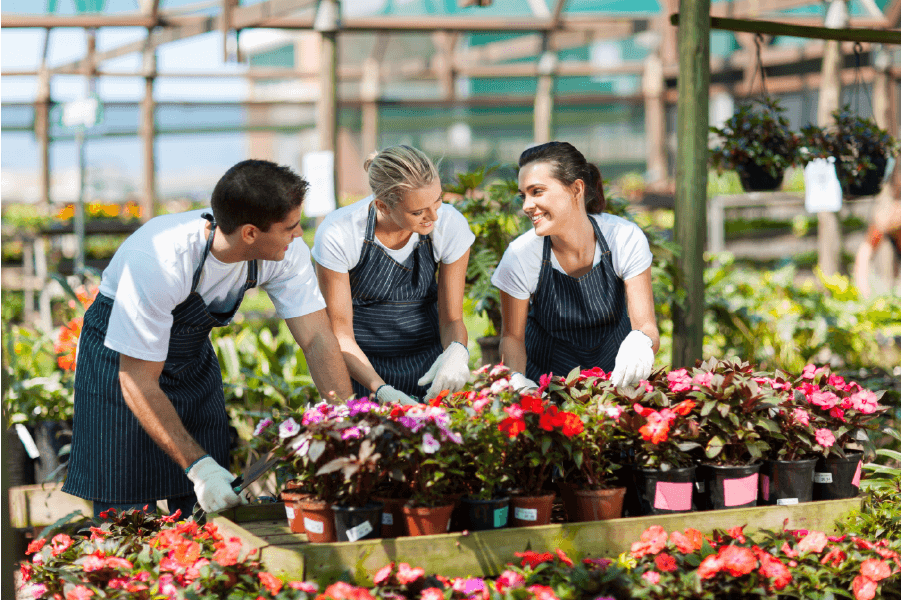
column 392, row 268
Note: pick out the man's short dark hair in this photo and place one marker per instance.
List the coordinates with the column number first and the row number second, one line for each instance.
column 256, row 192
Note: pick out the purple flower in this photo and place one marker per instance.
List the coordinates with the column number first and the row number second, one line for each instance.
column 356, row 406
column 430, row 444
column 288, row 428
column 447, row 434
column 468, row 586
column 312, row 416
column 349, row 433
column 264, row 423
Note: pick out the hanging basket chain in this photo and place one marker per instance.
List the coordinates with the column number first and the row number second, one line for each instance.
column 858, row 80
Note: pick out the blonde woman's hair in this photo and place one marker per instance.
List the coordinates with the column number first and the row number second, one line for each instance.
column 397, row 169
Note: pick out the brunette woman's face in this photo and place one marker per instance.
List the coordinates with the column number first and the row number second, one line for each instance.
column 548, row 202
column 418, row 210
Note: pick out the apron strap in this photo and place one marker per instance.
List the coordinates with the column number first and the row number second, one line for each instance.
column 206, row 250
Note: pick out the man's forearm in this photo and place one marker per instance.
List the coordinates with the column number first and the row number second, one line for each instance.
column 159, row 419
column 327, row 367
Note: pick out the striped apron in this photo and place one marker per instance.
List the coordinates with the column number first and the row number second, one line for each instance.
column 576, row 321
column 396, row 312
column 113, row 459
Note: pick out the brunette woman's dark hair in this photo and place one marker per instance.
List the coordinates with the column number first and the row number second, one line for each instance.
column 568, row 165
column 256, row 192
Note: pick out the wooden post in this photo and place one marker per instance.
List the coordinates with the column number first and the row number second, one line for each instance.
column 544, row 95
column 691, row 178
column 369, row 94
column 148, row 133
column 829, row 233
column 885, row 115
column 654, row 119
column 327, row 24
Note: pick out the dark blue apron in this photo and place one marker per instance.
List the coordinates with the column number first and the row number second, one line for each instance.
column 576, row 321
column 396, row 312
column 113, row 459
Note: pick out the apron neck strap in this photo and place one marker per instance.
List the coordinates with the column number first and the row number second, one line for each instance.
column 206, row 250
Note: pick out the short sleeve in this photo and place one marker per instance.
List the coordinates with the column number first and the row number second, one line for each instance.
column 456, row 235
column 633, row 253
column 518, row 270
column 292, row 283
column 141, row 319
column 332, row 246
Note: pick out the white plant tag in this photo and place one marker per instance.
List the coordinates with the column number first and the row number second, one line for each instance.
column 792, row 501
column 359, row 531
column 289, row 511
column 314, row 526
column 387, row 519
column 528, row 515
column 822, row 477
column 27, row 441
column 822, row 190
column 700, row 486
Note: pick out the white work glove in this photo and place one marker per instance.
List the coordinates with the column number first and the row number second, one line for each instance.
column 390, row 394
column 450, row 371
column 520, row 383
column 213, row 485
column 634, row 361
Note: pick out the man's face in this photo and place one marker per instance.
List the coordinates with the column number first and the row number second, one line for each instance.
column 272, row 245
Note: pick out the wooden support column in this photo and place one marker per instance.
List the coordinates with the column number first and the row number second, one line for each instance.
column 885, row 113
column 327, row 23
column 544, row 95
column 369, row 94
column 148, row 134
column 654, row 119
column 691, row 178
column 829, row 233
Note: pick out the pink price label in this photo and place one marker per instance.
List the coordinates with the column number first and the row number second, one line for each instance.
column 673, row 496
column 740, row 491
column 856, row 480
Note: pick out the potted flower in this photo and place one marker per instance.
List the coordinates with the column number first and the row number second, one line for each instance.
column 428, row 457
column 494, row 213
column 757, row 143
column 734, row 411
column 663, row 429
column 860, row 147
column 847, row 412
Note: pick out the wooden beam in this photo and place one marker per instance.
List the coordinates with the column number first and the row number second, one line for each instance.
column 846, row 34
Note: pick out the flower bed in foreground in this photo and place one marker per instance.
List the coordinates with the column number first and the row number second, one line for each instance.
column 140, row 557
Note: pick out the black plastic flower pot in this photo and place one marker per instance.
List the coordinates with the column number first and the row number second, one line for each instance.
column 485, row 515
column 837, row 477
column 660, row 492
column 726, row 486
column 786, row 482
column 871, row 181
column 358, row 523
column 755, row 178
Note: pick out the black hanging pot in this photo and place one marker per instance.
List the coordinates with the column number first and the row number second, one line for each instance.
column 870, row 181
column 358, row 523
column 755, row 178
column 786, row 482
column 837, row 477
column 660, row 492
column 727, row 486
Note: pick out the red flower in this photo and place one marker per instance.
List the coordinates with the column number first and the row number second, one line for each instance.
column 864, row 588
column 562, row 556
column 27, row 571
column 875, row 569
column 656, row 430
column 272, row 584
column 532, row 559
column 36, row 545
column 512, row 426
column 653, row 541
column 342, row 590
column 83, row 592
column 66, row 343
column 227, row 552
column 685, row 407
column 572, row 424
column 431, row 593
column 383, row 574
column 689, row 542
column 737, row 534
column 548, row 419
column 835, row 557
column 863, row 544
column 543, row 382
column 710, row 567
column 594, row 372
column 93, row 562
column 665, row 562
column 814, row 542
column 642, row 411
column 770, row 567
column 738, row 561
column 60, row 543
column 187, row 553
column 407, row 574
column 531, row 404
column 540, row 591
column 436, row 402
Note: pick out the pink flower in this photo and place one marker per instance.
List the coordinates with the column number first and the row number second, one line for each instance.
column 264, row 423
column 824, row 399
column 83, row 592
column 60, row 543
column 430, row 444
column 432, row 593
column 539, row 591
column 383, row 574
column 499, row 386
column 478, row 405
column 703, row 379
column 498, row 370
column 679, row 380
column 651, row 576
column 864, row 401
column 836, row 381
column 352, row 432
column 825, row 437
column 710, row 567
column 875, row 569
column 801, row 416
column 837, row 413
column 515, row 411
column 814, row 542
column 407, row 574
column 543, row 382
column 509, row 579
column 810, row 371
column 304, row 586
column 864, row 588
column 646, row 385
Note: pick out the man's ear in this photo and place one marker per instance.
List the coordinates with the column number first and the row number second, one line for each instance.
column 249, row 233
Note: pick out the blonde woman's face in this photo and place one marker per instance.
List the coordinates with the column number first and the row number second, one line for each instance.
column 418, row 211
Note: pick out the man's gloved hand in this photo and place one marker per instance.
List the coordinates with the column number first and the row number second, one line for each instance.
column 213, row 485
column 519, row 382
column 450, row 370
column 634, row 361
column 390, row 394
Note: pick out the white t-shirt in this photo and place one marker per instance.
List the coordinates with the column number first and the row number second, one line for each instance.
column 519, row 268
column 339, row 239
column 151, row 273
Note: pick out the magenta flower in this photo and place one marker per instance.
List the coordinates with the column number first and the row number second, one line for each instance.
column 544, row 381
column 264, row 423
column 825, row 437
column 353, row 432
column 837, row 413
column 312, row 416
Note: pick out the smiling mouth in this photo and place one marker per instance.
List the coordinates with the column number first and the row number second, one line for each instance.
column 536, row 218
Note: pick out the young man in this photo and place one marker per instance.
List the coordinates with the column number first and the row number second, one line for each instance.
column 150, row 420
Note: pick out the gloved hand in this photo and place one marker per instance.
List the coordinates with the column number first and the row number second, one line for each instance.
column 634, row 361
column 519, row 382
column 390, row 394
column 449, row 371
column 213, row 485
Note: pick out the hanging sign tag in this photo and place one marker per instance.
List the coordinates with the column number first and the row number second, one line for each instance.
column 319, row 171
column 822, row 190
column 27, row 441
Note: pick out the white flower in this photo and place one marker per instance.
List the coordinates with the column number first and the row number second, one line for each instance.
column 498, row 370
column 288, row 428
column 429, row 443
column 500, row 386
